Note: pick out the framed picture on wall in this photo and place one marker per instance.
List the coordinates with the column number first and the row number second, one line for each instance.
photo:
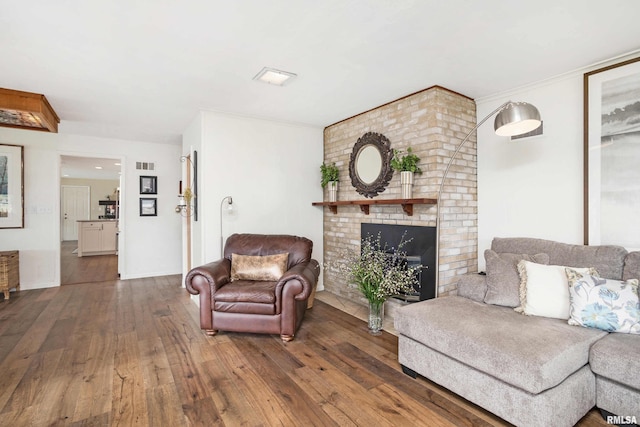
column 11, row 186
column 148, row 185
column 148, row 206
column 612, row 154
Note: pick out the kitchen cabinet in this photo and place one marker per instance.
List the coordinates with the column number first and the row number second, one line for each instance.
column 97, row 237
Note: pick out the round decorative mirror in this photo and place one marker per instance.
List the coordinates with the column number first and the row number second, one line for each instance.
column 370, row 164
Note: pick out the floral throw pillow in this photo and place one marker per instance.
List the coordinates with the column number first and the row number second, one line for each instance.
column 610, row 305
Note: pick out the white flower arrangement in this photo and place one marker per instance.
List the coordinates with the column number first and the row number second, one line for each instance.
column 379, row 271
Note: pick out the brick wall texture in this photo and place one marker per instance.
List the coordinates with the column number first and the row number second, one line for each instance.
column 433, row 123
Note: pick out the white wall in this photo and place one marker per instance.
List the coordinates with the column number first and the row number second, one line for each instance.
column 533, row 187
column 149, row 245
column 271, row 170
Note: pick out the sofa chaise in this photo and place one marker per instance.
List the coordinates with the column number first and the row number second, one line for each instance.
column 529, row 370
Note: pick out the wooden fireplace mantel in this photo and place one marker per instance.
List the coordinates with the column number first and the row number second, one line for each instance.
column 407, row 204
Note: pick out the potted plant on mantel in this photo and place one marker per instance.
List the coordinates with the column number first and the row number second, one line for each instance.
column 330, row 177
column 407, row 165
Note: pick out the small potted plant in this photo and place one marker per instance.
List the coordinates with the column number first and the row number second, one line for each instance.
column 330, row 177
column 407, row 165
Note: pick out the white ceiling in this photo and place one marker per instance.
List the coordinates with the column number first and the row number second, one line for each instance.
column 89, row 168
column 142, row 69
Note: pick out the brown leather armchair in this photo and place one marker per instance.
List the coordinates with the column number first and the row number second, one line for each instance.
column 258, row 306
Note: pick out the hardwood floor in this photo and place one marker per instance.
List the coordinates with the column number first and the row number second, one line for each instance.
column 86, row 269
column 131, row 353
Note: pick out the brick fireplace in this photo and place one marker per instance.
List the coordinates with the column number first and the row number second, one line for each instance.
column 432, row 122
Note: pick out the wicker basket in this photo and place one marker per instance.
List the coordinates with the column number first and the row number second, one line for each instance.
column 9, row 272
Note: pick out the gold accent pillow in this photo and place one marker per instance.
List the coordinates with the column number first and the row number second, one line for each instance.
column 264, row 268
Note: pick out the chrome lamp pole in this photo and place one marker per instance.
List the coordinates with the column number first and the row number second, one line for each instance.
column 229, row 200
column 514, row 118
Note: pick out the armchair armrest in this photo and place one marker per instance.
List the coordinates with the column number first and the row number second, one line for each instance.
column 306, row 273
column 473, row 286
column 204, row 281
column 209, row 277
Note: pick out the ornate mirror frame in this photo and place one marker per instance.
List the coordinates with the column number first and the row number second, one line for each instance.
column 383, row 145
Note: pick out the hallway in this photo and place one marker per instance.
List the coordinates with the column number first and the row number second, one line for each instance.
column 98, row 268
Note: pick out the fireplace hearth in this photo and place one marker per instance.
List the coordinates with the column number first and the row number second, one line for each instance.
column 421, row 249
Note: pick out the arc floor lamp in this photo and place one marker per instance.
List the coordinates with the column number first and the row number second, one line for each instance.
column 513, row 118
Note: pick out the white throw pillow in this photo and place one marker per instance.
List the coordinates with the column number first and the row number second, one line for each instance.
column 544, row 289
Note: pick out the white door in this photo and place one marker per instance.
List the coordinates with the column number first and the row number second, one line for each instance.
column 75, row 206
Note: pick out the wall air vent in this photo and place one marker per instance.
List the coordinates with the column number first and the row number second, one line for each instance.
column 145, row 166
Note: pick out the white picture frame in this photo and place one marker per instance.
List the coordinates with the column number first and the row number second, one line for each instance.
column 612, row 155
column 11, row 186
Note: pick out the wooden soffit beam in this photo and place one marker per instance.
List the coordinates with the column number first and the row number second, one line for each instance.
column 26, row 110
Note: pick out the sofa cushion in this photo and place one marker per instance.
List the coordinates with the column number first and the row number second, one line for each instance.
column 631, row 266
column 472, row 286
column 607, row 259
column 616, row 357
column 259, row 292
column 267, row 267
column 529, row 352
column 610, row 305
column 503, row 280
column 544, row 289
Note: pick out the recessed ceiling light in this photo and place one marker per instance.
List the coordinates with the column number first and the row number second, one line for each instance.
column 117, row 164
column 274, row 77
column 98, row 167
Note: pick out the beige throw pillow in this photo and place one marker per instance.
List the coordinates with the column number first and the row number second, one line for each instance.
column 503, row 280
column 262, row 268
column 544, row 289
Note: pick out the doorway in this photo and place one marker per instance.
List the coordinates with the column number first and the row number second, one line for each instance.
column 89, row 196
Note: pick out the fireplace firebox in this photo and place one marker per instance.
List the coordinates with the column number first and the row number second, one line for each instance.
column 420, row 249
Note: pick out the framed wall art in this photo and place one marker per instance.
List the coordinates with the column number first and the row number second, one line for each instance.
column 148, row 185
column 148, row 206
column 11, row 186
column 612, row 155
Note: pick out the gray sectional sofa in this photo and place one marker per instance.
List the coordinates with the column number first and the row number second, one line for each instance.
column 528, row 370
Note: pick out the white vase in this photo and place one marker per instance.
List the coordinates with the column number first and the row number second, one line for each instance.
column 333, row 191
column 406, row 183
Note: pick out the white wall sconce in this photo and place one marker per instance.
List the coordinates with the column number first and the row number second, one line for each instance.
column 184, row 206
